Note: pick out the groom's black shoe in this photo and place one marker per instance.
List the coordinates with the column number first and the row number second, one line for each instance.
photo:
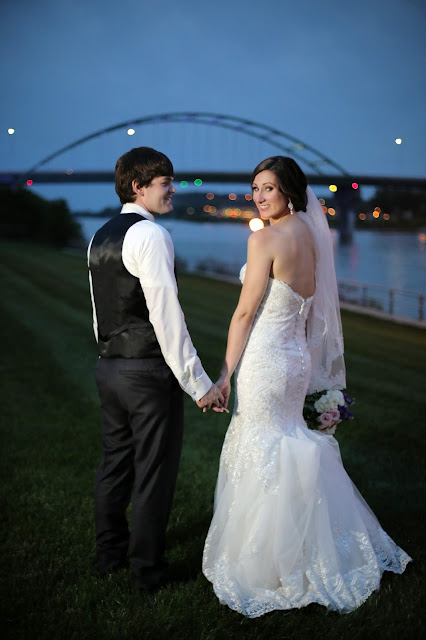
column 150, row 579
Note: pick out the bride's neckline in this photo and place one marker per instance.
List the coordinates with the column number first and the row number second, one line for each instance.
column 244, row 267
column 292, row 290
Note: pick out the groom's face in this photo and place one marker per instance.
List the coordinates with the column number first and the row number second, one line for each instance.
column 157, row 196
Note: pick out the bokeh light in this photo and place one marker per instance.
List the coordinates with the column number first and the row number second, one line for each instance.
column 398, row 140
column 29, row 183
column 198, row 182
column 232, row 196
column 362, row 216
column 183, row 184
column 131, row 132
column 355, row 185
column 376, row 214
column 333, row 188
column 69, row 172
column 11, row 131
column 332, row 211
column 190, row 210
column 255, row 224
column 210, row 196
column 386, row 216
column 248, row 196
column 321, row 200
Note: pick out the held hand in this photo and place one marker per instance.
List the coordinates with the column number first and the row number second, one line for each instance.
column 224, row 385
column 212, row 398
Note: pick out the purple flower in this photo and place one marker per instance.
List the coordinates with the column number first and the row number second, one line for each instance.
column 348, row 400
column 345, row 414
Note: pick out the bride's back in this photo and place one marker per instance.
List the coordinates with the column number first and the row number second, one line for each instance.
column 294, row 256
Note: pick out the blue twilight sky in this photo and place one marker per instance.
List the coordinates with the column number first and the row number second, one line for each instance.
column 344, row 77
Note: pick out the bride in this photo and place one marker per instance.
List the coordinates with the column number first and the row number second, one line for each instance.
column 289, row 527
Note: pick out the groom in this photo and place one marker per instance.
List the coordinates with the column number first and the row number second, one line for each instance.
column 146, row 359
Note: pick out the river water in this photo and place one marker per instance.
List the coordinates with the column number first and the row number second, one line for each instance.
column 393, row 259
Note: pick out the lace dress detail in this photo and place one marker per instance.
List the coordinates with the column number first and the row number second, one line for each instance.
column 289, row 527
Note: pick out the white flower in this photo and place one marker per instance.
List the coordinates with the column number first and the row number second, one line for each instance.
column 331, row 400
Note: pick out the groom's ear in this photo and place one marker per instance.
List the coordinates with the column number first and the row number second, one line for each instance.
column 137, row 189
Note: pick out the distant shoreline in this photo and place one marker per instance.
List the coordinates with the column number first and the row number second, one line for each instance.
column 364, row 226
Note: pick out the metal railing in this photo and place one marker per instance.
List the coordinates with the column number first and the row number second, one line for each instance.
column 394, row 302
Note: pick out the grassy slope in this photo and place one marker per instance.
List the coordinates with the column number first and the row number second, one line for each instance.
column 50, row 449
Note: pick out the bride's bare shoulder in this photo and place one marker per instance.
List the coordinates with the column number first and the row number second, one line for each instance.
column 261, row 237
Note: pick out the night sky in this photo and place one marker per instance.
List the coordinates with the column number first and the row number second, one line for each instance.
column 345, row 77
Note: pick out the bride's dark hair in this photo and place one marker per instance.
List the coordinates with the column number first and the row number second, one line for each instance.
column 291, row 179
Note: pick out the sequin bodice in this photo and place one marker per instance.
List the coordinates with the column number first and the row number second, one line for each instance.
column 276, row 358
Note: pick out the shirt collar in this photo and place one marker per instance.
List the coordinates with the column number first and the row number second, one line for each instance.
column 132, row 207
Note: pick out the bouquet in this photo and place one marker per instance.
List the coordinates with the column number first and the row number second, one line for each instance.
column 324, row 410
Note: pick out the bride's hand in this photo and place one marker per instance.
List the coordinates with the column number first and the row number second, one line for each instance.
column 224, row 385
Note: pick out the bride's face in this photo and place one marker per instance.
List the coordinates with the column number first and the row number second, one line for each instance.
column 270, row 201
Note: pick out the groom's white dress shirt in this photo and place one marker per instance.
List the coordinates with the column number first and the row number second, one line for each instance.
column 148, row 254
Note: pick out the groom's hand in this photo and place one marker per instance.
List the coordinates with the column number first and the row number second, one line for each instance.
column 213, row 398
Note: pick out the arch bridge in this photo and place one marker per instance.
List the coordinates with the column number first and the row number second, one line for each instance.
column 319, row 168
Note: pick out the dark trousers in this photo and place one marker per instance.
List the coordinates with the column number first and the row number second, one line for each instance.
column 142, row 424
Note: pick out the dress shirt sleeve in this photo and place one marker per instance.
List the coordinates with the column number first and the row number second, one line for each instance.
column 95, row 319
column 148, row 254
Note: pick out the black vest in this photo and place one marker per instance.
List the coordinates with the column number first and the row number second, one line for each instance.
column 124, row 329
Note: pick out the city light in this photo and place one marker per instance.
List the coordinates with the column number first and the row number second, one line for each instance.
column 333, row 188
column 184, row 184
column 131, row 132
column 198, row 182
column 255, row 224
column 398, row 140
column 11, row 131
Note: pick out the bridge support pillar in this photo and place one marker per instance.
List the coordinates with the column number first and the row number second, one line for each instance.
column 346, row 198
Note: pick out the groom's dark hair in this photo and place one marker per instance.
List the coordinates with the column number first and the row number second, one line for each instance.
column 291, row 179
column 142, row 164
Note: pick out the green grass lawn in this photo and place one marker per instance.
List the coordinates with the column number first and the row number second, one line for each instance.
column 51, row 447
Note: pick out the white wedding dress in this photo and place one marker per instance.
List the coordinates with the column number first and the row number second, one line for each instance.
column 289, row 527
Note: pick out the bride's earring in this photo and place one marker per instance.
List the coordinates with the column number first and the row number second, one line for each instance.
column 290, row 206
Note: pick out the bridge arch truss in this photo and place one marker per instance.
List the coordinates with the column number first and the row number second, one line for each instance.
column 307, row 155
